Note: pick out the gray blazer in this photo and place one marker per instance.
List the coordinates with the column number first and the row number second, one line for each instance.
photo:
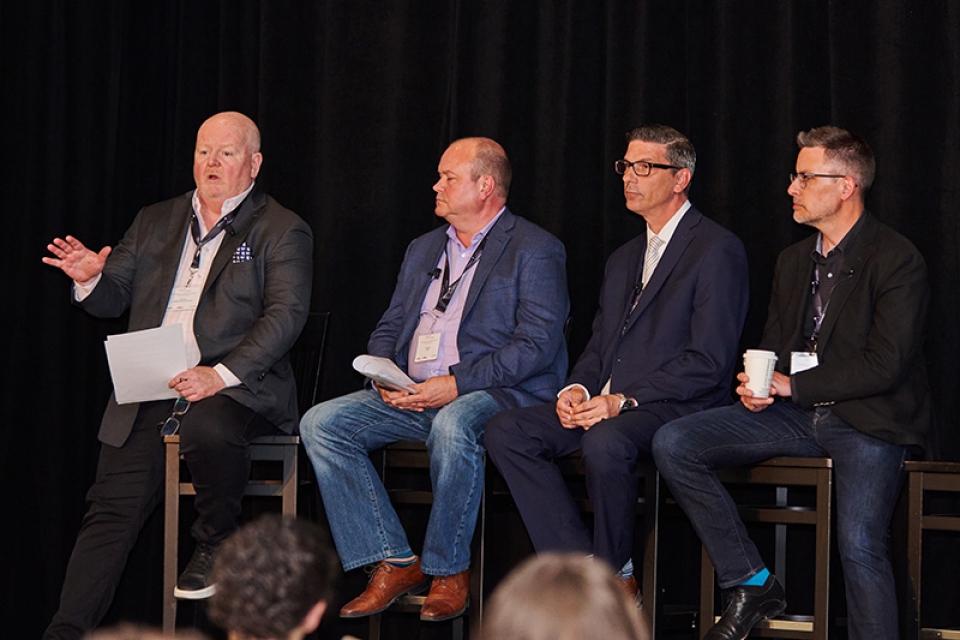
column 250, row 312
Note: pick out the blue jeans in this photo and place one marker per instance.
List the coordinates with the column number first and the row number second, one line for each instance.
column 868, row 475
column 338, row 436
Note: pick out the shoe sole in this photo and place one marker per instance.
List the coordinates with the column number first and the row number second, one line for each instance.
column 198, row 594
column 414, row 590
column 449, row 617
column 771, row 610
column 766, row 614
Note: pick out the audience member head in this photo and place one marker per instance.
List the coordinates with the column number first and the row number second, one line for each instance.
column 566, row 596
column 127, row 631
column 274, row 579
column 851, row 153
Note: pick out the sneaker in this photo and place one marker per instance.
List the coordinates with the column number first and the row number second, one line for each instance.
column 192, row 584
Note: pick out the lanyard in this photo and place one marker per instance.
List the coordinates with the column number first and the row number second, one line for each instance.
column 213, row 233
column 446, row 288
column 819, row 308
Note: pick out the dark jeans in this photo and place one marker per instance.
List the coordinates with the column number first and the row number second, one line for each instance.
column 868, row 475
column 523, row 444
column 214, row 435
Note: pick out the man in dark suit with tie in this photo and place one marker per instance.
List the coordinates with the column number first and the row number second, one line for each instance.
column 233, row 268
column 664, row 343
column 846, row 320
column 476, row 319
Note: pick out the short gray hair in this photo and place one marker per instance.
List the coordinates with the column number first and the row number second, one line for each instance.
column 851, row 151
column 680, row 151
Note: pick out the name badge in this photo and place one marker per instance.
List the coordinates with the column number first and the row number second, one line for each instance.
column 802, row 360
column 428, row 348
column 185, row 298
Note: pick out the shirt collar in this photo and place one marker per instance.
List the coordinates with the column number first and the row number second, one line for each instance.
column 843, row 244
column 228, row 205
column 479, row 235
column 668, row 229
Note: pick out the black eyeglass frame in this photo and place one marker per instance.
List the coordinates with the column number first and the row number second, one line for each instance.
column 806, row 177
column 171, row 425
column 620, row 166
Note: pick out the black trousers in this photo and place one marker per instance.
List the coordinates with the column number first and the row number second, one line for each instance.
column 214, row 435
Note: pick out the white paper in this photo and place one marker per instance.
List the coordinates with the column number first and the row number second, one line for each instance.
column 384, row 371
column 143, row 362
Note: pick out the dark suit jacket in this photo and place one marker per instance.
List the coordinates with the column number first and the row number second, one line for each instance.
column 511, row 333
column 249, row 315
column 871, row 369
column 680, row 344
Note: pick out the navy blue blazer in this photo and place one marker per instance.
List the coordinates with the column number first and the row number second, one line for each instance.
column 250, row 312
column 511, row 333
column 679, row 346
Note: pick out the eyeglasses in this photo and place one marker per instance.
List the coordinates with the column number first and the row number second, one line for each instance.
column 640, row 167
column 171, row 425
column 805, row 177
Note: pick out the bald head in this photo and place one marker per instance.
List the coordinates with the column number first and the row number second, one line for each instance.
column 244, row 127
column 489, row 159
column 227, row 158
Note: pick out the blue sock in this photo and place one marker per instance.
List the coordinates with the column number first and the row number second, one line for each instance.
column 402, row 562
column 757, row 580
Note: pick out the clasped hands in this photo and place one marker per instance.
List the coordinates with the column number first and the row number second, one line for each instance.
column 432, row 393
column 574, row 410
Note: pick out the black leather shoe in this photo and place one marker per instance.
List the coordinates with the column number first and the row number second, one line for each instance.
column 746, row 606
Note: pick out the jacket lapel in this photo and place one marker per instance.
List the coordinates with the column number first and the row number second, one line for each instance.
column 428, row 263
column 859, row 252
column 250, row 209
column 176, row 235
column 497, row 239
column 678, row 244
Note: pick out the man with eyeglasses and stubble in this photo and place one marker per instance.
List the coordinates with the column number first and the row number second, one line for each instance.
column 664, row 345
column 846, row 320
column 234, row 269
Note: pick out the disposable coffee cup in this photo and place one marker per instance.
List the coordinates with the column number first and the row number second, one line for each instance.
column 758, row 365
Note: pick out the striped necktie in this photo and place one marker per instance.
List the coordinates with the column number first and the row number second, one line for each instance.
column 653, row 257
column 649, row 264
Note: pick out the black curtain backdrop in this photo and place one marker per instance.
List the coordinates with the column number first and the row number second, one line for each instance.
column 357, row 100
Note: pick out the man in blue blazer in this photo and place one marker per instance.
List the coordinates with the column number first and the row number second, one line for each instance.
column 233, row 268
column 476, row 320
column 664, row 343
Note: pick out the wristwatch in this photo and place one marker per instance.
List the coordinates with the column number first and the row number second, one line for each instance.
column 627, row 403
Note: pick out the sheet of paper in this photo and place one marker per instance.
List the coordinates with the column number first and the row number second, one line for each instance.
column 384, row 371
column 143, row 362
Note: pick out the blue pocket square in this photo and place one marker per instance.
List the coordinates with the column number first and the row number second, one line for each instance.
column 242, row 254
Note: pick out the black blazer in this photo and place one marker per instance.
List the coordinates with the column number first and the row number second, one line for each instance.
column 871, row 370
column 249, row 315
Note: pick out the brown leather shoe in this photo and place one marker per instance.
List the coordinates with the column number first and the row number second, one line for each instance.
column 387, row 583
column 447, row 598
column 630, row 588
